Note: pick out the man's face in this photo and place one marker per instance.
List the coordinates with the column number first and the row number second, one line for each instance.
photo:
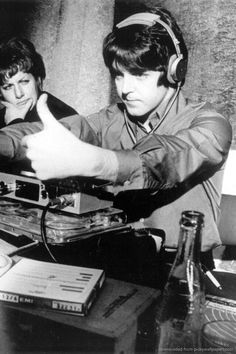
column 19, row 89
column 140, row 93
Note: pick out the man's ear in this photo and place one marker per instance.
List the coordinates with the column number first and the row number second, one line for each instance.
column 40, row 83
column 1, row 98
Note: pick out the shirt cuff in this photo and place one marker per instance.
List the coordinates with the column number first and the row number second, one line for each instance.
column 130, row 169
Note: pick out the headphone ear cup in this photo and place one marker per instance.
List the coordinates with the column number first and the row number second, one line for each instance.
column 177, row 69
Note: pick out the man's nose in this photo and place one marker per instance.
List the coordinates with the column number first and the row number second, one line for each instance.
column 127, row 85
column 18, row 91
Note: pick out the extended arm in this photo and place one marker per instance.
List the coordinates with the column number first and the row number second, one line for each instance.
column 11, row 147
column 167, row 160
column 156, row 162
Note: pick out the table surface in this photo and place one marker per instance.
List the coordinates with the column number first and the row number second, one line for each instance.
column 117, row 307
column 113, row 315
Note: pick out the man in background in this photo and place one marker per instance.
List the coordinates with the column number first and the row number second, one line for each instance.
column 22, row 72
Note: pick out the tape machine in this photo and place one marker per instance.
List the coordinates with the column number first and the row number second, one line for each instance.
column 77, row 208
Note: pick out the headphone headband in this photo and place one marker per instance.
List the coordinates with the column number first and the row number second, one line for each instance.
column 177, row 71
column 149, row 19
column 142, row 18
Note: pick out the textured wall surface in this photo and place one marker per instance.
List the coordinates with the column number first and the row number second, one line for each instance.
column 210, row 33
column 69, row 35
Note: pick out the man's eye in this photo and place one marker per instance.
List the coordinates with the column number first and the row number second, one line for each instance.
column 24, row 82
column 142, row 76
column 115, row 73
column 118, row 77
column 8, row 87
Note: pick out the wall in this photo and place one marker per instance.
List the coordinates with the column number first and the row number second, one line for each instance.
column 69, row 35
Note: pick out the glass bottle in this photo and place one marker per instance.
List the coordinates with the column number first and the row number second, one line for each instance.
column 180, row 315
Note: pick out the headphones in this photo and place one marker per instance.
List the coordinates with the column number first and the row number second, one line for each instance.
column 177, row 66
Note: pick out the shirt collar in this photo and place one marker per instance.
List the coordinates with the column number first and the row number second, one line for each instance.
column 156, row 115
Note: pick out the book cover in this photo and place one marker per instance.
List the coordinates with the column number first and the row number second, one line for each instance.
column 54, row 286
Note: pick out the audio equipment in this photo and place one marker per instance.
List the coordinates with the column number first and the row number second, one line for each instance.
column 81, row 196
column 78, row 211
column 177, row 66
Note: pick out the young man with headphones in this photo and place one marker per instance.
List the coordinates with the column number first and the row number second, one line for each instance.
column 161, row 153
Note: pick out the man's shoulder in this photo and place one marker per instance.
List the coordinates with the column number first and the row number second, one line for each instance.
column 194, row 111
column 195, row 114
column 202, row 106
column 106, row 116
column 189, row 109
column 204, row 113
column 110, row 111
column 59, row 108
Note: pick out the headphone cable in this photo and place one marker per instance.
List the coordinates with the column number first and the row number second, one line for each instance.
column 169, row 106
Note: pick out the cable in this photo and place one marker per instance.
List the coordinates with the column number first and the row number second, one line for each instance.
column 167, row 109
column 62, row 201
column 23, row 249
column 44, row 232
column 169, row 105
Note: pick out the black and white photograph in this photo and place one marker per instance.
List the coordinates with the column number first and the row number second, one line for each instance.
column 117, row 176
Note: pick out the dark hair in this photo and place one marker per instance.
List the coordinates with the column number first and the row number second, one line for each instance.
column 138, row 48
column 19, row 54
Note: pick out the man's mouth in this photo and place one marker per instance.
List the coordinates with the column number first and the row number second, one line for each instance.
column 131, row 102
column 21, row 103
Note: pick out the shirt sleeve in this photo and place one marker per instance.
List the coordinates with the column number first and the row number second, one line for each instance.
column 164, row 161
column 10, row 139
column 11, row 135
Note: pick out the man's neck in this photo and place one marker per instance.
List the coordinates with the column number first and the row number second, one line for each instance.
column 163, row 106
column 159, row 111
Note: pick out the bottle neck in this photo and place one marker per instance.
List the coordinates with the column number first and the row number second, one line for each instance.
column 190, row 236
column 189, row 245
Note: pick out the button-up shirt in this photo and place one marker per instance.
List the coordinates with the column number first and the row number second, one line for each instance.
column 178, row 167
